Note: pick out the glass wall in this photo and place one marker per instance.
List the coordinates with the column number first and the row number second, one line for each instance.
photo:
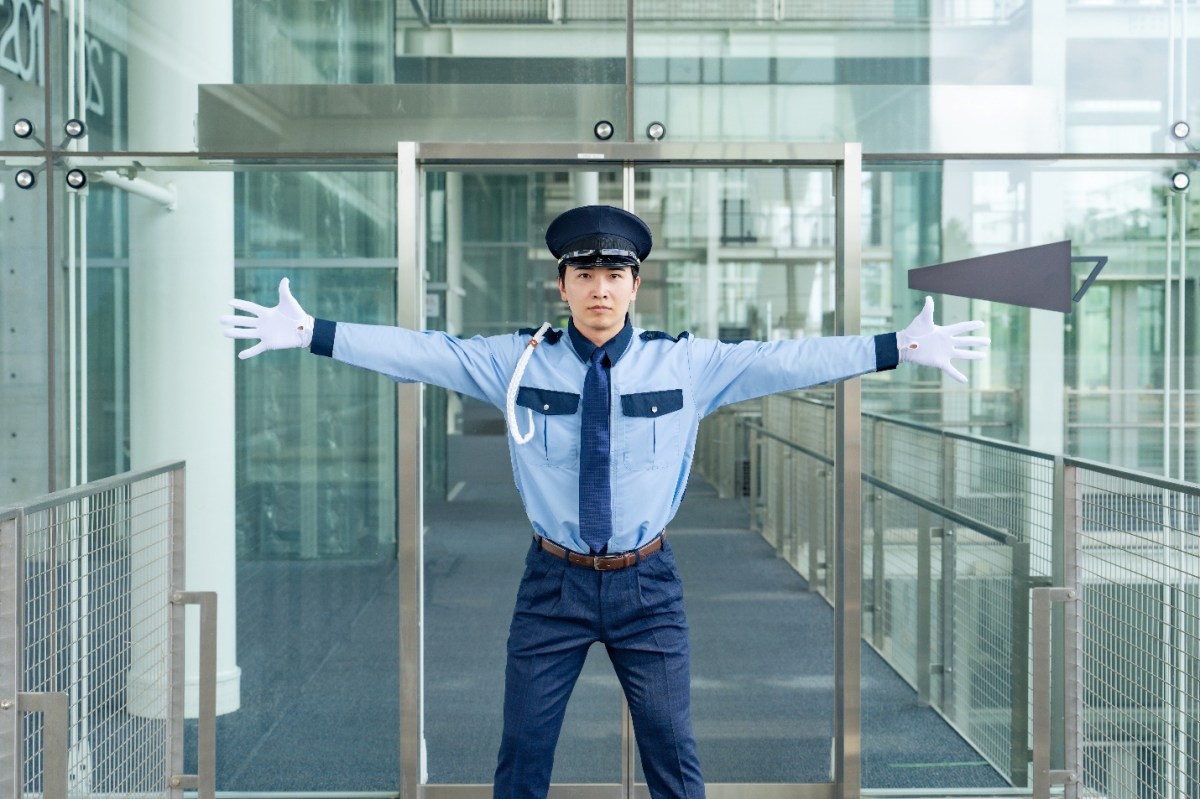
column 269, row 129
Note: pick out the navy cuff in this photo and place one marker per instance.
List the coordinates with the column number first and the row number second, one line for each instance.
column 322, row 340
column 887, row 354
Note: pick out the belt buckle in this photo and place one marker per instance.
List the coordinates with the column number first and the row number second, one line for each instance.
column 596, row 563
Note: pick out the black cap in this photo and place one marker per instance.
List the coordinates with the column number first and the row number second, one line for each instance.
column 600, row 235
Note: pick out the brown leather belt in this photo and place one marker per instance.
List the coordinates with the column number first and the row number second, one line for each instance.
column 603, row 563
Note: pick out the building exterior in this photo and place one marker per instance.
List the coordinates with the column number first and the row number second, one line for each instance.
column 230, row 143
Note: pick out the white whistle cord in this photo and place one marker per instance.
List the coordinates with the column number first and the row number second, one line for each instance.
column 515, row 384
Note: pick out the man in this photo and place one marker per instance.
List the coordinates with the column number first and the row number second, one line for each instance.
column 611, row 415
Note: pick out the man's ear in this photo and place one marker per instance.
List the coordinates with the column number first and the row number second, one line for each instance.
column 562, row 289
column 637, row 281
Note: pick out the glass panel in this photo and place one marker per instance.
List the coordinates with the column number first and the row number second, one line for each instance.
column 490, row 273
column 316, row 500
column 745, row 254
column 995, row 75
column 23, row 75
column 306, row 554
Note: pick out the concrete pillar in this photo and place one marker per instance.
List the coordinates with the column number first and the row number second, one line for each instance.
column 181, row 278
column 585, row 188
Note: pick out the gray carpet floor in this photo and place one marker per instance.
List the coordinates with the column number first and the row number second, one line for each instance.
column 318, row 646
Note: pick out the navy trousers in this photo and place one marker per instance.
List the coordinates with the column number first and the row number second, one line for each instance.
column 637, row 613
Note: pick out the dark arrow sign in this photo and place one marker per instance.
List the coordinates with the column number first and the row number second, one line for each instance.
column 1033, row 277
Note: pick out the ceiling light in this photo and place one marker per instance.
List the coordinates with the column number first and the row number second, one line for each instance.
column 603, row 130
column 656, row 130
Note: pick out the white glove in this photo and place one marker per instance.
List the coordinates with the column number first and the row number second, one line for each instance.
column 283, row 327
column 927, row 344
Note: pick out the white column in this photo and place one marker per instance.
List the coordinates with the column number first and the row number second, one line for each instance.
column 1045, row 409
column 585, row 188
column 180, row 280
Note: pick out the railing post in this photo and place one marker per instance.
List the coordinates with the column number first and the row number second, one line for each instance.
column 878, row 571
column 204, row 780
column 946, row 613
column 55, row 731
column 924, row 606
column 753, row 453
column 1043, row 776
column 816, row 509
column 1019, row 663
column 11, row 623
column 878, row 563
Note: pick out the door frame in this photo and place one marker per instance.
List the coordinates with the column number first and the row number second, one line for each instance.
column 845, row 159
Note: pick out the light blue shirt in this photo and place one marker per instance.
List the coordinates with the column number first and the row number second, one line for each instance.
column 661, row 387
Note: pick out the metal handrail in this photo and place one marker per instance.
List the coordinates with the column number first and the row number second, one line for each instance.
column 937, row 508
column 47, row 501
column 63, row 528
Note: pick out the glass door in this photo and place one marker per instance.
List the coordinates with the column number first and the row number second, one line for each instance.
column 747, row 245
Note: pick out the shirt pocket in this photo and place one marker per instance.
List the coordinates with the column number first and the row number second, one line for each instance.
column 650, row 434
column 556, row 423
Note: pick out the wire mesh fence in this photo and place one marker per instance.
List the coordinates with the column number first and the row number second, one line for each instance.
column 957, row 533
column 94, row 573
column 1139, row 567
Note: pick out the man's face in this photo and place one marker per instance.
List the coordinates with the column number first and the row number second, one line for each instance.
column 599, row 298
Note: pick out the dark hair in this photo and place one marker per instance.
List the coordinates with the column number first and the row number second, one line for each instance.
column 562, row 269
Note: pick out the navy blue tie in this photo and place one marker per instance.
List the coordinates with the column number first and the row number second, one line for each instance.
column 595, row 493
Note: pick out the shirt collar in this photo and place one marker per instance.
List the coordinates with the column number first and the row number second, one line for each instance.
column 615, row 346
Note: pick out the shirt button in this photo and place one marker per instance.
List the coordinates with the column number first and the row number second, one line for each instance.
column 545, row 407
column 653, row 409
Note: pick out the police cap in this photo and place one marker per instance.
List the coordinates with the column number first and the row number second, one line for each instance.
column 598, row 235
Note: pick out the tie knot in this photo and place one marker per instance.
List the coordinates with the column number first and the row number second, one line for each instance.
column 599, row 355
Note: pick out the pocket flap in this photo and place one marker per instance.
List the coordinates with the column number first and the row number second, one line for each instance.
column 543, row 400
column 652, row 403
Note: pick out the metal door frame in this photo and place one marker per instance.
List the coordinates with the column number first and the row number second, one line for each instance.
column 846, row 161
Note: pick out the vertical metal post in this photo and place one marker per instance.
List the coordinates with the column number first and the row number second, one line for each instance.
column 754, row 450
column 410, row 293
column 629, row 85
column 11, row 567
column 55, row 729
column 816, row 507
column 878, row 559
column 176, row 615
column 1019, row 663
column 847, row 775
column 924, row 605
column 787, row 505
column 1072, row 682
column 946, row 614
column 1058, row 641
column 205, row 778
column 1043, row 776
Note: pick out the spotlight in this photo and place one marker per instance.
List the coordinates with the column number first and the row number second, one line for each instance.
column 1180, row 181
column 74, row 128
column 76, row 178
column 25, row 178
column 656, row 130
column 22, row 128
column 603, row 130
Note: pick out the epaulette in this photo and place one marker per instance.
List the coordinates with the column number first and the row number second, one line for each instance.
column 655, row 335
column 552, row 336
